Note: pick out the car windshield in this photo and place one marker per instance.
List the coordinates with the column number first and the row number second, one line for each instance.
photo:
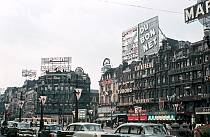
column 23, row 125
column 155, row 129
column 54, row 127
column 91, row 127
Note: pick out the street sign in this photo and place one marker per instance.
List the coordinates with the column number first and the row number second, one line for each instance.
column 20, row 103
column 78, row 93
column 6, row 106
column 43, row 99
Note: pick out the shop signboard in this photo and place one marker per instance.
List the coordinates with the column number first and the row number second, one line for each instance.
column 161, row 117
column 137, row 117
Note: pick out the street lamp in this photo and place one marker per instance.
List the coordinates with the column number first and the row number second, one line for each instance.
column 77, row 94
column 20, row 103
column 5, row 113
column 42, row 100
column 176, row 109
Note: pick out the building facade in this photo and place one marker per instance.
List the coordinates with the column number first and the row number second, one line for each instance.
column 171, row 85
column 59, row 88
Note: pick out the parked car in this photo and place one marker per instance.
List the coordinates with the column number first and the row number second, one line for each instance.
column 50, row 130
column 142, row 130
column 5, row 125
column 182, row 130
column 202, row 131
column 20, row 129
column 79, row 127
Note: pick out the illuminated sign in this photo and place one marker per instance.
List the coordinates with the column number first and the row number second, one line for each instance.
column 197, row 11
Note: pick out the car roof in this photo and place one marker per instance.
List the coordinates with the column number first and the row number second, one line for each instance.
column 138, row 124
column 52, row 125
column 83, row 123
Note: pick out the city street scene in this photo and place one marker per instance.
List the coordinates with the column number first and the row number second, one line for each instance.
column 105, row 68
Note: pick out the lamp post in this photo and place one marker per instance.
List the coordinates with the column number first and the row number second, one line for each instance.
column 6, row 105
column 42, row 100
column 111, row 115
column 76, row 107
column 139, row 113
column 176, row 108
column 21, row 102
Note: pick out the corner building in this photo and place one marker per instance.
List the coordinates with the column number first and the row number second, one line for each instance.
column 171, row 85
column 59, row 87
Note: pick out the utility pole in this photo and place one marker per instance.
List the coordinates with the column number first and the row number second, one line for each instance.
column 20, row 105
column 76, row 101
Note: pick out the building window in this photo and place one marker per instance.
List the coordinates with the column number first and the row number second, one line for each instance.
column 158, row 79
column 188, row 62
column 206, row 58
column 199, row 74
column 172, row 79
column 164, row 79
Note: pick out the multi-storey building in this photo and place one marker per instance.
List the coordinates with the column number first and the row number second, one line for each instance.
column 170, row 85
column 59, row 88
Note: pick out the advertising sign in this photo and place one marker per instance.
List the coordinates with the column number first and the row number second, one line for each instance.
column 29, row 73
column 148, row 37
column 55, row 64
column 130, row 45
column 140, row 40
column 197, row 11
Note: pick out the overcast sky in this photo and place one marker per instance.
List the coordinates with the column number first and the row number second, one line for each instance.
column 86, row 30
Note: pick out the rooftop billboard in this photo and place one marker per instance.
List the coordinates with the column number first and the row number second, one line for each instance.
column 148, row 37
column 140, row 40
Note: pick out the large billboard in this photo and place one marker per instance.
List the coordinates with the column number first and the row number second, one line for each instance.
column 130, row 45
column 148, row 37
column 54, row 64
column 140, row 40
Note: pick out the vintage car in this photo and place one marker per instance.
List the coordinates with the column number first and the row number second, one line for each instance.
column 142, row 130
column 79, row 127
column 20, row 129
column 50, row 130
column 5, row 126
column 182, row 130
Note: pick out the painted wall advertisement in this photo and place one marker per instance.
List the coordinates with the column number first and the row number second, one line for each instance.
column 140, row 40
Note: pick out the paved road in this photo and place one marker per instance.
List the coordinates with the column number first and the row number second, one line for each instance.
column 109, row 130
column 1, row 135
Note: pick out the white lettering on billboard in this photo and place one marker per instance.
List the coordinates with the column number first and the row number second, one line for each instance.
column 149, row 37
column 130, row 45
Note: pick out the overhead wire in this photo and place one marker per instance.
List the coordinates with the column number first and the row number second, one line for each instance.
column 139, row 6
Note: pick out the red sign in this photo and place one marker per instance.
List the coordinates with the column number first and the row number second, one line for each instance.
column 136, row 118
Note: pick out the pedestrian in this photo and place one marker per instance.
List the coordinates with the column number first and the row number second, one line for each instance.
column 102, row 125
